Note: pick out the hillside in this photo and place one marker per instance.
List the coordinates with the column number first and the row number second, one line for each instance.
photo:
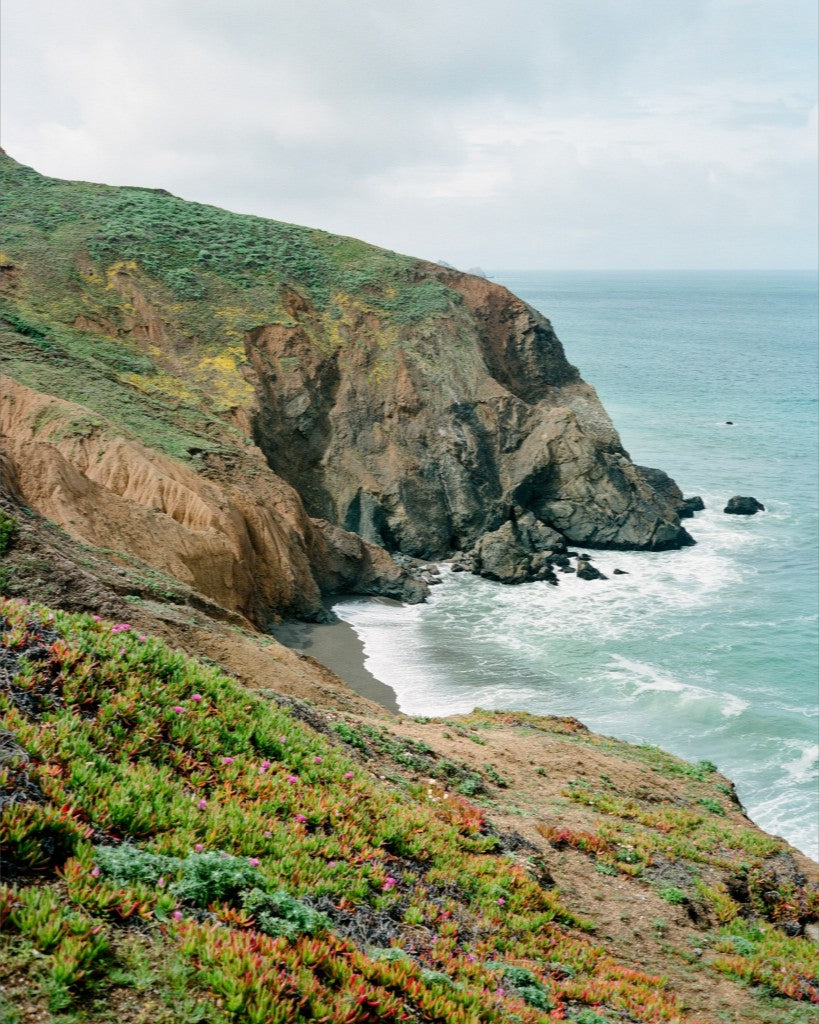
column 210, row 421
column 178, row 847
column 212, row 390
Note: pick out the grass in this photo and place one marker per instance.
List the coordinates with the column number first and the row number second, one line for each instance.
column 96, row 263
column 155, row 805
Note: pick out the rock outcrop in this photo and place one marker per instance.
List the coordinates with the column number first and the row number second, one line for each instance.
column 741, row 505
column 426, row 451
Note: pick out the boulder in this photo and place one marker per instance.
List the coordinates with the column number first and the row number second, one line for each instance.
column 586, row 571
column 519, row 551
column 689, row 506
column 741, row 505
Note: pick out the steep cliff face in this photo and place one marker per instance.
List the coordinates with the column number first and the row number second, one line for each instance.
column 398, row 405
column 424, row 438
column 236, row 534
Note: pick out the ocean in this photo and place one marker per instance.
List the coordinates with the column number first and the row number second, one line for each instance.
column 711, row 652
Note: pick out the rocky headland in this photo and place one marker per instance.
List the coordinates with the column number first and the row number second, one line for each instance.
column 262, row 411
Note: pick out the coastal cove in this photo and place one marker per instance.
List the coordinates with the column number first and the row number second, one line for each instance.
column 709, row 652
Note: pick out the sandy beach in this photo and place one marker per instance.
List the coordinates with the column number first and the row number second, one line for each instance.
column 336, row 645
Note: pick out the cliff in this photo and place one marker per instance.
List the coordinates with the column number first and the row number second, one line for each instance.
column 236, row 401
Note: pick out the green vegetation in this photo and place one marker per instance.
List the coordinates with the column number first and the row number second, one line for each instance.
column 7, row 525
column 265, row 869
column 137, row 304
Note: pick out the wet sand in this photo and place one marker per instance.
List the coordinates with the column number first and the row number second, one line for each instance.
column 336, row 645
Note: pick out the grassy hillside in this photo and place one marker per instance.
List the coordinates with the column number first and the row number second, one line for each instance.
column 80, row 263
column 176, row 848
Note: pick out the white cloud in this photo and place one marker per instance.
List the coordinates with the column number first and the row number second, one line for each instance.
column 567, row 133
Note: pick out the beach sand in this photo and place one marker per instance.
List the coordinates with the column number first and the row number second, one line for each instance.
column 336, row 645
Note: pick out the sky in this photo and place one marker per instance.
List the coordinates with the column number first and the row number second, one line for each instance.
column 543, row 134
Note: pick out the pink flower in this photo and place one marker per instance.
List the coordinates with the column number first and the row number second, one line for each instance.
column 227, row 760
column 199, row 847
column 263, row 767
column 348, row 775
column 177, row 915
column 178, row 710
column 301, row 818
column 95, row 872
column 196, row 697
column 267, row 833
column 253, row 861
column 282, row 739
column 331, row 863
column 501, row 901
column 97, row 618
column 120, row 627
column 202, row 805
column 160, row 883
column 317, row 760
column 389, row 882
column 292, row 778
column 501, row 991
column 142, row 639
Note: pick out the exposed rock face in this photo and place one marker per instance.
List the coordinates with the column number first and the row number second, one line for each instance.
column 741, row 505
column 241, row 538
column 518, row 551
column 422, row 442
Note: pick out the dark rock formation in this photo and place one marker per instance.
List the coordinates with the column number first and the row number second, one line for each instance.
column 689, row 506
column 586, row 571
column 422, row 440
column 518, row 551
column 743, row 506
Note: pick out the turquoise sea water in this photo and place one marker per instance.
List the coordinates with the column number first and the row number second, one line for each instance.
column 710, row 652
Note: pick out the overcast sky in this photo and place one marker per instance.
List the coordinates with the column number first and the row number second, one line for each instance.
column 501, row 133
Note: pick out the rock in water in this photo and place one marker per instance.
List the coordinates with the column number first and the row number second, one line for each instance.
column 518, row 551
column 743, row 506
column 689, row 506
column 586, row 571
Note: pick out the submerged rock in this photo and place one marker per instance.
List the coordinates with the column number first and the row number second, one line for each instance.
column 743, row 506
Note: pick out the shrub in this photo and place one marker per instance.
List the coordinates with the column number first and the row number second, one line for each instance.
column 278, row 913
column 213, row 876
column 7, row 525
